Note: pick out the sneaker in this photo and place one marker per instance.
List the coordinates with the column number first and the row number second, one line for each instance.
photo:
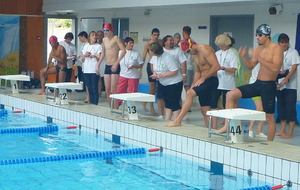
column 161, row 117
column 261, row 135
column 251, row 134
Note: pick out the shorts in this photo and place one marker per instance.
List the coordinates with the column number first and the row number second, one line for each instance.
column 256, row 98
column 265, row 89
column 149, row 73
column 171, row 95
column 58, row 68
column 109, row 72
column 206, row 89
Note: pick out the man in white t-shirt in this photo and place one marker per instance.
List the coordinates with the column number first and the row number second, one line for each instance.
column 71, row 54
column 179, row 57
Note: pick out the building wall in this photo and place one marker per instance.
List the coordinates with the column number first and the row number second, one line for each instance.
column 171, row 20
column 31, row 32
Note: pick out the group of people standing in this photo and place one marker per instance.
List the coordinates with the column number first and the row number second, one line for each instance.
column 175, row 64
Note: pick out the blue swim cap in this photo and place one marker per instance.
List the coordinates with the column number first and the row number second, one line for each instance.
column 263, row 29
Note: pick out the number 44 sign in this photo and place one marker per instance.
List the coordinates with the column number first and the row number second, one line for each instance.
column 132, row 112
column 236, row 131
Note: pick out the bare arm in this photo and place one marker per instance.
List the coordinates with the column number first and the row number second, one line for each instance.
column 250, row 64
column 291, row 73
column 122, row 48
column 145, row 52
column 102, row 55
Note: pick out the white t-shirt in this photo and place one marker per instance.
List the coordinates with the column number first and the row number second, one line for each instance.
column 177, row 54
column 132, row 57
column 89, row 64
column 189, row 61
column 79, row 54
column 254, row 73
column 70, row 50
column 228, row 59
column 164, row 64
column 290, row 58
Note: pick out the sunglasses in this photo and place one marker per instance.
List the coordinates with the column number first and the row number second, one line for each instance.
column 105, row 30
column 260, row 35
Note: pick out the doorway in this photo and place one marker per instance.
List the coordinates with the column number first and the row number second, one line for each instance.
column 121, row 27
column 240, row 27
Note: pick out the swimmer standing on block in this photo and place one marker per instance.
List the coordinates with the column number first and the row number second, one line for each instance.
column 205, row 81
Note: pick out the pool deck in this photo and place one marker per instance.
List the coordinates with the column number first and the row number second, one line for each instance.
column 192, row 125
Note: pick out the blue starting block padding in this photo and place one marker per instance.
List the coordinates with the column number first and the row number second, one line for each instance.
column 143, row 88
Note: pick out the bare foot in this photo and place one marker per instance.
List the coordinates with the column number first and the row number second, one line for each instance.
column 86, row 101
column 173, row 124
column 280, row 133
column 286, row 136
column 222, row 130
column 144, row 106
column 153, row 113
column 41, row 93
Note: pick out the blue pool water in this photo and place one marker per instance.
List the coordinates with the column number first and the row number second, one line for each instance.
column 141, row 171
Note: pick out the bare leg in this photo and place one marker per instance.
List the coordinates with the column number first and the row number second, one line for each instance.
column 161, row 106
column 100, row 86
column 231, row 97
column 259, row 127
column 114, row 86
column 186, row 88
column 87, row 99
column 169, row 114
column 283, row 128
column 271, row 126
column 215, row 122
column 43, row 76
column 152, row 91
column 107, row 81
column 176, row 113
column 290, row 134
column 204, row 109
column 186, row 107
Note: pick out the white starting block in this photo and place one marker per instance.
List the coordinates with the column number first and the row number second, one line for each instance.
column 13, row 81
column 234, row 127
column 62, row 89
column 131, row 99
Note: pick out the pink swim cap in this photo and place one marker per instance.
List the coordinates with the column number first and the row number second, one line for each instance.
column 108, row 26
column 53, row 39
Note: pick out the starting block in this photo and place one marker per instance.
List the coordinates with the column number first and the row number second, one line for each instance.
column 234, row 128
column 131, row 99
column 62, row 89
column 13, row 81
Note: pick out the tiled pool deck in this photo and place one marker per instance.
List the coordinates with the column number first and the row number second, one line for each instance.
column 275, row 162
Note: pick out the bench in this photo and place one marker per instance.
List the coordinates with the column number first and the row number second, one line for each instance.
column 62, row 89
column 130, row 99
column 234, row 127
column 13, row 81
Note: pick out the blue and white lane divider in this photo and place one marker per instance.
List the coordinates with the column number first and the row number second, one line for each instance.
column 104, row 154
column 3, row 112
column 30, row 129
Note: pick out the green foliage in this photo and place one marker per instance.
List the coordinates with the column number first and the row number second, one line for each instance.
column 60, row 23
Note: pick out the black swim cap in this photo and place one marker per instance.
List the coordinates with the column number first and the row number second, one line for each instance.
column 263, row 29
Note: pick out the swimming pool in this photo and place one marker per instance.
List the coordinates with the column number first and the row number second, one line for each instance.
column 140, row 171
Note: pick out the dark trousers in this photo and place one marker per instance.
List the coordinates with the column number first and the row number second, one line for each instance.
column 91, row 81
column 286, row 104
column 68, row 75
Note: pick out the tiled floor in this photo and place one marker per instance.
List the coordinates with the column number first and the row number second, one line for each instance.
column 193, row 125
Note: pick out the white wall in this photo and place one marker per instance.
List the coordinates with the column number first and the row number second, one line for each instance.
column 171, row 19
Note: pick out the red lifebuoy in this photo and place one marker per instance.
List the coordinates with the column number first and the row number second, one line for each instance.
column 72, row 127
column 18, row 111
column 154, row 150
